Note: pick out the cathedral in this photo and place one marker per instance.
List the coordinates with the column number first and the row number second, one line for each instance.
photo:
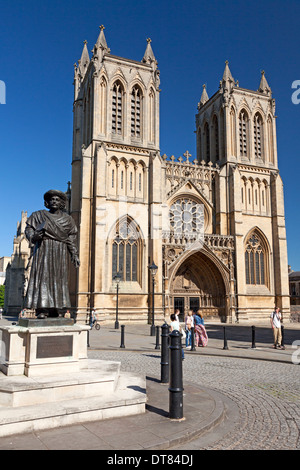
column 212, row 226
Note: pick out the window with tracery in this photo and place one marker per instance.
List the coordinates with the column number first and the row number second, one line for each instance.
column 117, row 108
column 126, row 251
column 257, row 128
column 255, row 261
column 243, row 133
column 187, row 218
column 136, row 112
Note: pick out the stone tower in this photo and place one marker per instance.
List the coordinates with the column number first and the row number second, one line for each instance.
column 115, row 177
column 236, row 129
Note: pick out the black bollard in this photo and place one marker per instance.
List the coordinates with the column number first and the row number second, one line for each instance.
column 193, row 347
column 157, row 338
column 253, row 337
column 282, row 337
column 176, row 384
column 88, row 338
column 225, row 339
column 122, row 336
column 164, row 353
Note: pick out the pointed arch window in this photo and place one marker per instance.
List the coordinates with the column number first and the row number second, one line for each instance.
column 270, row 140
column 103, row 105
column 126, row 251
column 151, row 116
column 117, row 108
column 257, row 128
column 207, row 142
column 136, row 104
column 216, row 136
column 255, row 261
column 233, row 131
column 243, row 133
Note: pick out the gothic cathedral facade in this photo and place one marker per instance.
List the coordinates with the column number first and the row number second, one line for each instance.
column 134, row 206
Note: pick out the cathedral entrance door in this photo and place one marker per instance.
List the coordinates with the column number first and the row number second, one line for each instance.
column 198, row 284
column 179, row 304
column 194, row 303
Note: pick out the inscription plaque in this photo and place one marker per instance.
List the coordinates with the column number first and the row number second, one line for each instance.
column 54, row 346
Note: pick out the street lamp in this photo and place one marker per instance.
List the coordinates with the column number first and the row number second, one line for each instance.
column 153, row 270
column 117, row 279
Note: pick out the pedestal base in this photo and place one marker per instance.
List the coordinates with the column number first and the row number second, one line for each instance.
column 46, row 380
column 99, row 391
column 43, row 349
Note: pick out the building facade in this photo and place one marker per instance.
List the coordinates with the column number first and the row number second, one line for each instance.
column 213, row 224
column 17, row 271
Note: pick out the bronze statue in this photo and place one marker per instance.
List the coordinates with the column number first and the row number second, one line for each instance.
column 52, row 234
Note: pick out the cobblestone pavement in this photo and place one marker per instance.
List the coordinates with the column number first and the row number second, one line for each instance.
column 267, row 395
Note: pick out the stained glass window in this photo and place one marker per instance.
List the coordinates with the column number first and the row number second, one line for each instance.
column 255, row 256
column 125, row 249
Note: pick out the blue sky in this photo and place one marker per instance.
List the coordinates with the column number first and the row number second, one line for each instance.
column 41, row 40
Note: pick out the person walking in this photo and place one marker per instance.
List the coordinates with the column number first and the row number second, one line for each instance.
column 275, row 320
column 189, row 324
column 201, row 338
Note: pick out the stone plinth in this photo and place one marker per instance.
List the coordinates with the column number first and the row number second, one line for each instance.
column 48, row 347
column 47, row 381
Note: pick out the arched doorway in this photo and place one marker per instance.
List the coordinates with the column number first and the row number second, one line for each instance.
column 197, row 283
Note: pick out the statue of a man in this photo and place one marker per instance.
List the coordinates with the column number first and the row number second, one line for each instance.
column 52, row 234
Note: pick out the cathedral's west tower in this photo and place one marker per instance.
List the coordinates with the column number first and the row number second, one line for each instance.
column 116, row 172
column 236, row 129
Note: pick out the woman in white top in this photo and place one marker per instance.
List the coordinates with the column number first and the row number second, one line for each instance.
column 175, row 325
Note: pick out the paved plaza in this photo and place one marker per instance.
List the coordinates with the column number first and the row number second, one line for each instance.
column 243, row 398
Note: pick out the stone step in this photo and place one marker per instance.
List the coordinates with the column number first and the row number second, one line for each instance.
column 122, row 402
column 126, row 397
column 100, row 377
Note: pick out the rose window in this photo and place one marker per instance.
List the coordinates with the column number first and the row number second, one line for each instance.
column 186, row 217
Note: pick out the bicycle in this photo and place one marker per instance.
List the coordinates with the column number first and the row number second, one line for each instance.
column 96, row 325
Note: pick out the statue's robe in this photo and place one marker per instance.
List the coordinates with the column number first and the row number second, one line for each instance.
column 48, row 283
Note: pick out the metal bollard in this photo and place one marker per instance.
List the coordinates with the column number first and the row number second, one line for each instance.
column 193, row 347
column 282, row 337
column 122, row 336
column 176, row 384
column 253, row 337
column 157, row 338
column 164, row 354
column 88, row 338
column 225, row 339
